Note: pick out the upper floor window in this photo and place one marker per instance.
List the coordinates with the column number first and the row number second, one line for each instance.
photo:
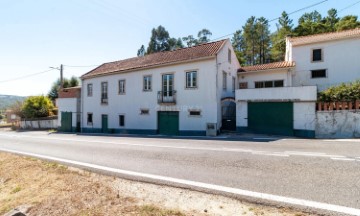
column 318, row 73
column 121, row 86
column 243, row 85
column 90, row 90
column 104, row 92
column 229, row 55
column 147, row 83
column 191, row 79
column 317, row 55
column 224, row 80
column 269, row 84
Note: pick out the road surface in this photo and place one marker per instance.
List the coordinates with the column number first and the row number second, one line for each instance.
column 324, row 174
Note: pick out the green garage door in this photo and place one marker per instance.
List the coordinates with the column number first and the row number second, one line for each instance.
column 271, row 118
column 168, row 123
column 66, row 122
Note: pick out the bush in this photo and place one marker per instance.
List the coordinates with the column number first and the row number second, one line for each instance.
column 37, row 107
column 342, row 92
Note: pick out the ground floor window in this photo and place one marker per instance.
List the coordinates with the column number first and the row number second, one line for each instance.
column 89, row 118
column 269, row 84
column 121, row 120
column 195, row 113
column 318, row 73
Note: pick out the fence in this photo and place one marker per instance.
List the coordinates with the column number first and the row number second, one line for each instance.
column 334, row 106
column 39, row 123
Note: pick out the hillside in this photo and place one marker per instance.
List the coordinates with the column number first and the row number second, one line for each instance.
column 7, row 100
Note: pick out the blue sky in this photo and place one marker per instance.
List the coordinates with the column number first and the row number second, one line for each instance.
column 36, row 35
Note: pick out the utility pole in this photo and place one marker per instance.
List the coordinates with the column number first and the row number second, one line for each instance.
column 61, row 77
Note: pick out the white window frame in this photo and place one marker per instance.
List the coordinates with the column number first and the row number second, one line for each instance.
column 92, row 119
column 144, row 112
column 224, row 81
column 89, row 89
column 104, row 92
column 122, row 86
column 147, row 83
column 312, row 55
column 191, row 85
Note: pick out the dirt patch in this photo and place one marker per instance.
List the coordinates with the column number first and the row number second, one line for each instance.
column 53, row 189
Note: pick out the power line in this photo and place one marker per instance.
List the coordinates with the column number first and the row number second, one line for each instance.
column 81, row 65
column 307, row 7
column 26, row 76
column 352, row 5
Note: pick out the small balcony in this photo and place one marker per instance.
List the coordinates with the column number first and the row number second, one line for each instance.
column 167, row 97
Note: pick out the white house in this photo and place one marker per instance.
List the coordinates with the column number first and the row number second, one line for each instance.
column 69, row 106
column 280, row 97
column 177, row 92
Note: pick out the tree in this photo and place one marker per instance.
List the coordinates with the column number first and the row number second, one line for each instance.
column 309, row 24
column 331, row 20
column 238, row 44
column 203, row 36
column 284, row 28
column 37, row 107
column 68, row 83
column 159, row 40
column 250, row 37
column 347, row 22
column 190, row 41
column 262, row 28
column 141, row 51
column 175, row 44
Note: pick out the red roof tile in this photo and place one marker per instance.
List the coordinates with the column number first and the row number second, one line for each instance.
column 73, row 92
column 270, row 66
column 157, row 59
column 297, row 41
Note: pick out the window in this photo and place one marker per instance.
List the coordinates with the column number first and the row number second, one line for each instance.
column 229, row 55
column 269, row 84
column 318, row 74
column 191, row 79
column 316, row 55
column 89, row 118
column 194, row 113
column 147, row 83
column 104, row 92
column 121, row 120
column 233, row 84
column 89, row 90
column 224, row 80
column 144, row 112
column 243, row 85
column 121, row 86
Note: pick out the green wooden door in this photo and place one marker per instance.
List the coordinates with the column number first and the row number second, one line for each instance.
column 66, row 121
column 271, row 118
column 104, row 124
column 168, row 123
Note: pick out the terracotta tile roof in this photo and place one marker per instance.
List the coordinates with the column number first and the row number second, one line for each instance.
column 156, row 59
column 297, row 41
column 270, row 66
column 73, row 92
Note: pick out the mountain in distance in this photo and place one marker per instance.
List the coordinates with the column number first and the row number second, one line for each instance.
column 7, row 100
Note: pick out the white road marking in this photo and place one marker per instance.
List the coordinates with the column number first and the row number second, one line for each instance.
column 343, row 159
column 264, row 138
column 269, row 154
column 341, row 140
column 264, row 196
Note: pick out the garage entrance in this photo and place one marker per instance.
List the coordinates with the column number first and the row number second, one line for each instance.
column 168, row 123
column 271, row 117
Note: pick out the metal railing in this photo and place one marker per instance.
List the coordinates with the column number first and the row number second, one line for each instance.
column 167, row 97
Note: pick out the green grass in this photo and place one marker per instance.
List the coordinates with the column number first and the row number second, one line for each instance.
column 15, row 190
column 151, row 210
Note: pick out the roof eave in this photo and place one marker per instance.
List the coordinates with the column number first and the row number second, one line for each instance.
column 265, row 70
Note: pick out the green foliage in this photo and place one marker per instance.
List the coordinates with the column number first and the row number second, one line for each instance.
column 284, row 28
column 159, row 40
column 37, row 107
column 342, row 92
column 68, row 83
column 347, row 22
column 141, row 51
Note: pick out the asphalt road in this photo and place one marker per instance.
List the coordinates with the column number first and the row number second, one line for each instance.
column 324, row 171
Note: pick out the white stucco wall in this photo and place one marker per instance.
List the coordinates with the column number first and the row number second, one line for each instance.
column 270, row 75
column 338, row 124
column 230, row 68
column 202, row 98
column 340, row 59
column 304, row 99
column 67, row 105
